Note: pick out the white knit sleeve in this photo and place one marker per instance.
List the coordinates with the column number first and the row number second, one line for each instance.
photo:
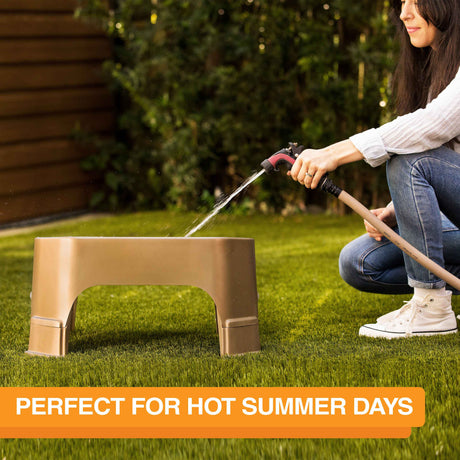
column 424, row 129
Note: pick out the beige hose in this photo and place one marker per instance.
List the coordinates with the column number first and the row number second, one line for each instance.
column 398, row 241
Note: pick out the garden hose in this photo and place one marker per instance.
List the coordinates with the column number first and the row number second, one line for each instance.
column 288, row 156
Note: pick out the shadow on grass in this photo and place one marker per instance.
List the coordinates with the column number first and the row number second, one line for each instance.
column 189, row 340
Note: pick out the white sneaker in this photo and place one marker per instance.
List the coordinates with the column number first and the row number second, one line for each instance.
column 431, row 316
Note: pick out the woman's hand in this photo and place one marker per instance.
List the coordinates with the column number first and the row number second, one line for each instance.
column 311, row 165
column 386, row 215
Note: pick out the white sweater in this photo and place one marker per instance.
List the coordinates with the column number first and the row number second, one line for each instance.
column 424, row 129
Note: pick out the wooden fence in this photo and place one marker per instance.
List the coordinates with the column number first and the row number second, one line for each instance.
column 50, row 80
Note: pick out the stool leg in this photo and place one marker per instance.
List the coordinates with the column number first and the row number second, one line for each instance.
column 53, row 297
column 47, row 337
column 72, row 317
column 236, row 300
column 239, row 336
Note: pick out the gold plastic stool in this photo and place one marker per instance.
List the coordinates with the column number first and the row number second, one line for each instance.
column 64, row 267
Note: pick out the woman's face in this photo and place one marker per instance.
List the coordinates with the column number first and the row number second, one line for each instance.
column 421, row 33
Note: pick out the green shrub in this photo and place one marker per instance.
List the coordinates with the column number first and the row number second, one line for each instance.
column 209, row 89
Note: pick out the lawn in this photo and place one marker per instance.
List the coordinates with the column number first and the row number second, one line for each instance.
column 165, row 336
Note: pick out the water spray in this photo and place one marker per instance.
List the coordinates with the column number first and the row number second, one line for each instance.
column 224, row 202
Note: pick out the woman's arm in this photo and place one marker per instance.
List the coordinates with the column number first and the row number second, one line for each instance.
column 424, row 129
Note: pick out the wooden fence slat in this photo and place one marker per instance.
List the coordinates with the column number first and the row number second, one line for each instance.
column 53, row 50
column 30, row 76
column 30, row 154
column 49, row 126
column 44, row 177
column 45, row 25
column 45, row 203
column 51, row 80
column 38, row 5
column 54, row 101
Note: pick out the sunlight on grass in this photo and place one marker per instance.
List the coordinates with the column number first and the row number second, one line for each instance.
column 166, row 336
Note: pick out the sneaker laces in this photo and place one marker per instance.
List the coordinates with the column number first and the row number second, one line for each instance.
column 390, row 316
column 409, row 309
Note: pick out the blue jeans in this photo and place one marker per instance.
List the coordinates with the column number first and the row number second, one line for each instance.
column 423, row 187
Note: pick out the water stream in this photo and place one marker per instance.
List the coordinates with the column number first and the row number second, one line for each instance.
column 246, row 183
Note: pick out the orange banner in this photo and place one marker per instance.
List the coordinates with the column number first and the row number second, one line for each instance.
column 210, row 412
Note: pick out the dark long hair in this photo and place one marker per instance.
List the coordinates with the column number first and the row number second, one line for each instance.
column 422, row 73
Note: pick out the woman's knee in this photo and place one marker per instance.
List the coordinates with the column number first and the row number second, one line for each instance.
column 401, row 167
column 350, row 264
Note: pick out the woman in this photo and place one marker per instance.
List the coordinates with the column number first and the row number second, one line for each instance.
column 422, row 151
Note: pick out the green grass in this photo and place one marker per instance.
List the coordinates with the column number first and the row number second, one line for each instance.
column 165, row 336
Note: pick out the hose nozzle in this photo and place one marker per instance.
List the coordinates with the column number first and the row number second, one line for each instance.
column 286, row 156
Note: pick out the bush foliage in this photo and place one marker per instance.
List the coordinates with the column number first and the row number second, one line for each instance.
column 208, row 89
